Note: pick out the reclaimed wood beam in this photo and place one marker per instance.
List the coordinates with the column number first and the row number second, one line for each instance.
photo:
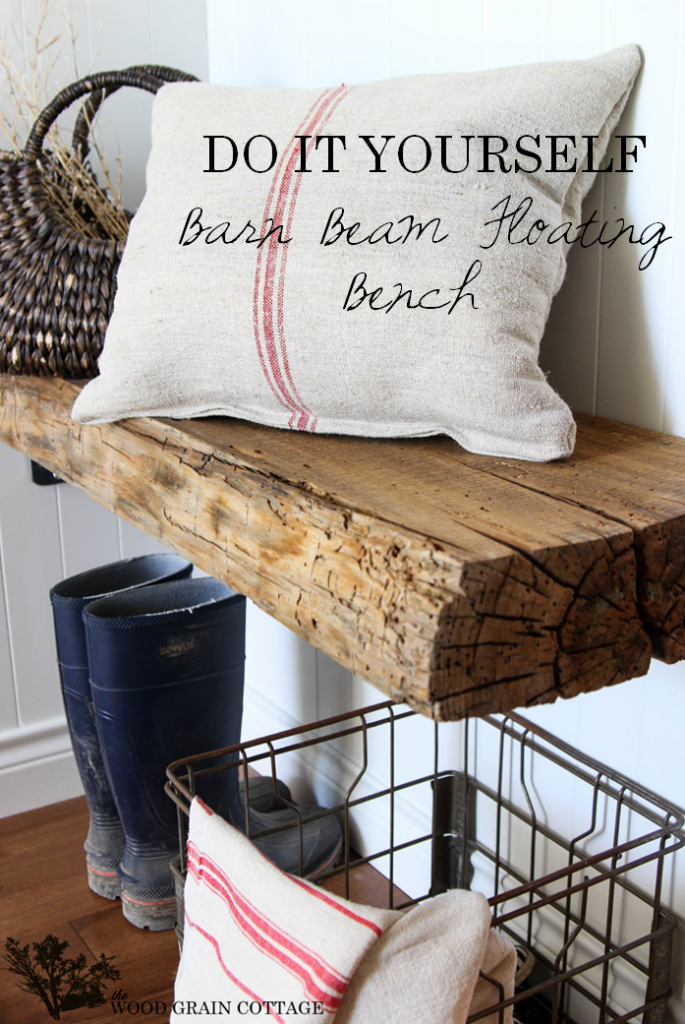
column 636, row 477
column 459, row 583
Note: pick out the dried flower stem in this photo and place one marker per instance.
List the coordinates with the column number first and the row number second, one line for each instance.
column 92, row 210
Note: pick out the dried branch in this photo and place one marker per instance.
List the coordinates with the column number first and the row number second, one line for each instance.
column 94, row 210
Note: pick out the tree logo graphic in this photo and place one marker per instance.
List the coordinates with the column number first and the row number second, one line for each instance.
column 60, row 982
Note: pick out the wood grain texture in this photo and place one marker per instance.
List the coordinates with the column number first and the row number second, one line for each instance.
column 460, row 584
column 635, row 477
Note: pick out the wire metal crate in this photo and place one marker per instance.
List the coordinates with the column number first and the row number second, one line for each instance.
column 571, row 854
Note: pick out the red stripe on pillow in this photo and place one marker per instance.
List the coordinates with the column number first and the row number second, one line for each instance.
column 303, row 421
column 283, row 399
column 270, row 276
column 321, row 895
column 337, row 906
column 271, row 951
column 273, row 247
column 208, row 811
column 327, row 974
column 215, row 945
column 260, row 930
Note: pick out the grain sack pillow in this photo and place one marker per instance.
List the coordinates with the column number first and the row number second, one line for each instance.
column 341, row 260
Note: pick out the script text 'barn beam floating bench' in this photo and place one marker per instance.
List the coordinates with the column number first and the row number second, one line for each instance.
column 460, row 583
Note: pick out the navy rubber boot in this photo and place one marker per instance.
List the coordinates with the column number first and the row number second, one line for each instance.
column 284, row 833
column 105, row 841
column 167, row 675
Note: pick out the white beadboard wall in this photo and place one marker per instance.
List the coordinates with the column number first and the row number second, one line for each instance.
column 614, row 344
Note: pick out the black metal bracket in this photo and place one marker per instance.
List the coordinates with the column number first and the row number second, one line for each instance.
column 42, row 476
column 453, row 824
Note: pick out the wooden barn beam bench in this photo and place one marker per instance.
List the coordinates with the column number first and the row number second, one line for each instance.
column 460, row 583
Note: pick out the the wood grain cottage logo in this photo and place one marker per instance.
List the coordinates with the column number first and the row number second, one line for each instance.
column 62, row 983
column 277, row 1009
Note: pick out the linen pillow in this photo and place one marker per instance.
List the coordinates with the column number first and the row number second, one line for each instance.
column 426, row 968
column 414, row 323
column 254, row 934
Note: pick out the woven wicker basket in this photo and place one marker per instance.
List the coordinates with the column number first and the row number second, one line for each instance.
column 56, row 285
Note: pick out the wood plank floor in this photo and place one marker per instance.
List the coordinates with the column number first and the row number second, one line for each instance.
column 43, row 888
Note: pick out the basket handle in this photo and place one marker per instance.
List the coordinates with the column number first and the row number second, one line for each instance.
column 103, row 81
column 84, row 121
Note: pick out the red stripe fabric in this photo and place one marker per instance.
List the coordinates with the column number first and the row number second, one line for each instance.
column 203, row 865
column 260, row 255
column 337, row 906
column 304, row 423
column 321, row 895
column 259, row 929
column 269, row 290
column 326, row 973
column 236, row 981
column 278, row 391
column 276, row 259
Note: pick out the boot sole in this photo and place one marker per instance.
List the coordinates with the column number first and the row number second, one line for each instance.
column 158, row 916
column 104, row 883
